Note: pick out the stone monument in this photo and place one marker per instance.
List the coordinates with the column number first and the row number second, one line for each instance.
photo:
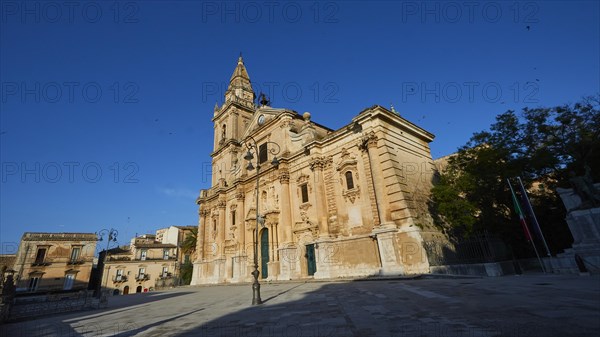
column 583, row 217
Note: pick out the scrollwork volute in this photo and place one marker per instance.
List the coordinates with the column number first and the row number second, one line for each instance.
column 368, row 141
column 240, row 196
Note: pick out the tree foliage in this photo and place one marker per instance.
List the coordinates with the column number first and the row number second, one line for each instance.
column 542, row 146
column 189, row 243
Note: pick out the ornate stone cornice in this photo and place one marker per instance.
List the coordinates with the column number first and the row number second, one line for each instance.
column 221, row 204
column 319, row 163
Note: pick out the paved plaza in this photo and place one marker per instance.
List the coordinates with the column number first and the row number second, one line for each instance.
column 531, row 305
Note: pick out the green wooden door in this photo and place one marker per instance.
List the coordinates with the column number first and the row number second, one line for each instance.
column 264, row 253
column 310, row 259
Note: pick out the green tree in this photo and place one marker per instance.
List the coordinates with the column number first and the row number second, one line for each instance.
column 189, row 247
column 189, row 243
column 542, row 146
column 186, row 272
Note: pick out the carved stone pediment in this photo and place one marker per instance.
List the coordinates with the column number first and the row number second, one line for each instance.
column 306, row 227
column 347, row 162
column 251, row 215
column 302, row 178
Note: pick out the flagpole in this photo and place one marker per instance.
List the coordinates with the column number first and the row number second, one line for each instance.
column 529, row 237
column 534, row 218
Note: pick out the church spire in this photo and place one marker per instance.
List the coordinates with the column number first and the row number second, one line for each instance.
column 239, row 85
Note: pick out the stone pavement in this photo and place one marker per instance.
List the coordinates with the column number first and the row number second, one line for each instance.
column 532, row 305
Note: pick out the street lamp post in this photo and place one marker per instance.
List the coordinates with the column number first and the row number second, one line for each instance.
column 252, row 145
column 111, row 235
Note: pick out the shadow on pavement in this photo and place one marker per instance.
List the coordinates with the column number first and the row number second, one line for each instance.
column 62, row 324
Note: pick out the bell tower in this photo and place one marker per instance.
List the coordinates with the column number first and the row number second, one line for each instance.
column 240, row 88
column 231, row 120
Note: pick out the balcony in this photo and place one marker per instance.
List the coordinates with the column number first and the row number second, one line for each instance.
column 142, row 277
column 161, row 258
column 120, row 278
column 166, row 276
column 41, row 263
column 76, row 261
column 118, row 258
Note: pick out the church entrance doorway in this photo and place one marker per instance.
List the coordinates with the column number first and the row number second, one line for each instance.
column 264, row 253
column 311, row 262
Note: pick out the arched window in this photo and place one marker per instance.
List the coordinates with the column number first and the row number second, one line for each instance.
column 224, row 131
column 214, row 225
column 349, row 180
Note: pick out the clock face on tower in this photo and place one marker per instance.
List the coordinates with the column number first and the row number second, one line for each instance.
column 261, row 119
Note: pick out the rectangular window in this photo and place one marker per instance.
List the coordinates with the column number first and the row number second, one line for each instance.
column 233, row 218
column 262, row 153
column 143, row 254
column 69, row 280
column 75, row 254
column 304, row 189
column 119, row 276
column 141, row 273
column 165, row 271
column 41, row 255
column 33, row 283
column 165, row 254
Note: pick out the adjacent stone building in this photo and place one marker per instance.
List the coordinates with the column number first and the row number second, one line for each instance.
column 54, row 261
column 176, row 235
column 138, row 267
column 349, row 202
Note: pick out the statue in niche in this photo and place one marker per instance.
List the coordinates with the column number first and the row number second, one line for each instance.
column 584, row 187
column 263, row 199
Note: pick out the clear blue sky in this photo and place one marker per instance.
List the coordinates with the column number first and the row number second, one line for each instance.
column 106, row 106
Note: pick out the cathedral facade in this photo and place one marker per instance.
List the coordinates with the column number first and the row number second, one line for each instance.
column 350, row 202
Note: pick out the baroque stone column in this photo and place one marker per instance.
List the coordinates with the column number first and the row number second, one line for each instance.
column 316, row 165
column 221, row 262
column 287, row 249
column 201, row 234
column 369, row 144
column 240, row 258
column 240, row 221
column 286, row 207
column 221, row 229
